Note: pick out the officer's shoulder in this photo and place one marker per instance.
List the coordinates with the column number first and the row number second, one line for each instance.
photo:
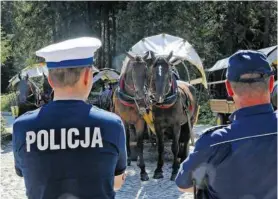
column 213, row 129
column 105, row 116
column 211, row 135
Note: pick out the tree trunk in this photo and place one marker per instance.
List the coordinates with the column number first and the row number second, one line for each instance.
column 266, row 35
column 102, row 33
column 114, row 34
column 109, row 60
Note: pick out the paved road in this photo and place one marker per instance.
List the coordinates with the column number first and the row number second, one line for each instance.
column 12, row 186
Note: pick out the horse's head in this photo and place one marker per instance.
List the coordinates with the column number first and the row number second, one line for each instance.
column 47, row 90
column 24, row 87
column 137, row 71
column 160, row 77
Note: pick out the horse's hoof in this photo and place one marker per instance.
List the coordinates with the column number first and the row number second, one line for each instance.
column 158, row 175
column 144, row 177
column 173, row 177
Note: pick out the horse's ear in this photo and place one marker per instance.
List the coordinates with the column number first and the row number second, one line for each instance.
column 152, row 55
column 129, row 56
column 169, row 56
column 44, row 75
column 19, row 76
column 145, row 57
column 27, row 76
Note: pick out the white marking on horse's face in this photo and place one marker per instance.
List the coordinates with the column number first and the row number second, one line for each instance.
column 160, row 70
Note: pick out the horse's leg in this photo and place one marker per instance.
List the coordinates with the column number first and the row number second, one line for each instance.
column 158, row 173
column 139, row 126
column 184, row 142
column 128, row 144
column 175, row 150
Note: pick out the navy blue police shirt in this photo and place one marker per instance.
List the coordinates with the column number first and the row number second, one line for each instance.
column 69, row 149
column 238, row 161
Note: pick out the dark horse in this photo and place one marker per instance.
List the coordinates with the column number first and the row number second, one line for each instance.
column 174, row 111
column 28, row 98
column 128, row 98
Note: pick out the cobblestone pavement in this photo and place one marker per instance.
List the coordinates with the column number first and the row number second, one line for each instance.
column 12, row 186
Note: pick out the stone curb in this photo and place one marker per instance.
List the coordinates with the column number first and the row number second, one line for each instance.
column 6, row 113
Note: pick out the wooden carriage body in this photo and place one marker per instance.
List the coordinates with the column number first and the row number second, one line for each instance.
column 220, row 103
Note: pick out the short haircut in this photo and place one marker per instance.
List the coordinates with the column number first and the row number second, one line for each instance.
column 62, row 77
column 252, row 88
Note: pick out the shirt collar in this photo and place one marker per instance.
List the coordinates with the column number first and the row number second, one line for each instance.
column 251, row 110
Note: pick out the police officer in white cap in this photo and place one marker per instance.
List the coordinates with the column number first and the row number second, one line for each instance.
column 68, row 148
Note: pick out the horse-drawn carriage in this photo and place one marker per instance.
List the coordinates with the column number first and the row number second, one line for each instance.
column 156, row 88
column 221, row 104
column 28, row 95
column 104, row 84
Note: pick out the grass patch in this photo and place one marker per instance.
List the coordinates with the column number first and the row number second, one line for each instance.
column 5, row 134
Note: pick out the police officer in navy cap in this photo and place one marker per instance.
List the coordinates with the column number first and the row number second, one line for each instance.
column 69, row 149
column 238, row 161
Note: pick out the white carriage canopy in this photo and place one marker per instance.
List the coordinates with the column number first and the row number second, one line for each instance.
column 36, row 70
column 163, row 44
column 270, row 52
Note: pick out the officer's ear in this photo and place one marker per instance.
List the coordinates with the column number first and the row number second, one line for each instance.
column 229, row 88
column 271, row 83
column 50, row 81
column 87, row 76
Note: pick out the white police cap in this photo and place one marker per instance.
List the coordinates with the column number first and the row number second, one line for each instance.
column 71, row 53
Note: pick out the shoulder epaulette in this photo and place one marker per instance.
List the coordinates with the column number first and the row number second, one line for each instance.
column 212, row 129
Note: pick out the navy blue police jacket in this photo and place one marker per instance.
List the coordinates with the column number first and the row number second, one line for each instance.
column 238, row 161
column 69, row 149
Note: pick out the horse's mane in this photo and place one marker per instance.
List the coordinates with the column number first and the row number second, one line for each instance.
column 34, row 84
column 124, row 65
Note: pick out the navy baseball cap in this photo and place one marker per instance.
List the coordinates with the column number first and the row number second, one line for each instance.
column 246, row 62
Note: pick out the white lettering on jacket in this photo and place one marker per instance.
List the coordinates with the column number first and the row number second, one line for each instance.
column 70, row 138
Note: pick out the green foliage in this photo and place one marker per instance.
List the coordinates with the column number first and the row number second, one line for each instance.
column 3, row 124
column 7, row 101
column 5, row 135
column 215, row 29
column 3, row 128
column 5, row 47
column 206, row 115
